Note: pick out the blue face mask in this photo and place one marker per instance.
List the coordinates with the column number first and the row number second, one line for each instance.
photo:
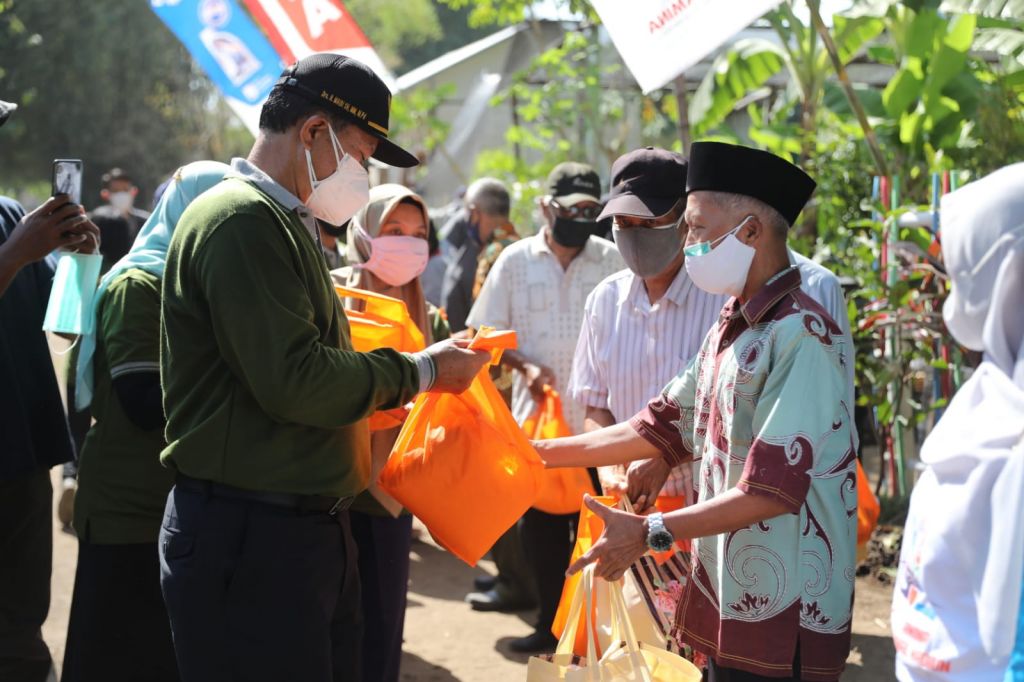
column 71, row 309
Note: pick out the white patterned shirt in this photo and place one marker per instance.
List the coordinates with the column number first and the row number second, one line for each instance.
column 629, row 349
column 528, row 291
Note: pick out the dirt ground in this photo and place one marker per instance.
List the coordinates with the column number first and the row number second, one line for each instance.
column 446, row 641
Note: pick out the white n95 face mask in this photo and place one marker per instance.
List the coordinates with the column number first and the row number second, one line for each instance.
column 722, row 269
column 338, row 197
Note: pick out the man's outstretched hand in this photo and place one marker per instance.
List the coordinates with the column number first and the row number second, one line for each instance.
column 623, row 541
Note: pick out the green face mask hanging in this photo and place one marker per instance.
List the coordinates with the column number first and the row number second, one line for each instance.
column 71, row 309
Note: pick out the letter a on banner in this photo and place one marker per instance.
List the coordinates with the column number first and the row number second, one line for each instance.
column 230, row 49
column 659, row 39
column 298, row 28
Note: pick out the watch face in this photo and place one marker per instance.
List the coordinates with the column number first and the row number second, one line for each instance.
column 661, row 541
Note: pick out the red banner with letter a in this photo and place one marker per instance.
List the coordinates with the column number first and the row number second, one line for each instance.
column 298, row 28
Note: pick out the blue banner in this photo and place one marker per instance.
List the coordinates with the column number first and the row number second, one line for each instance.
column 226, row 43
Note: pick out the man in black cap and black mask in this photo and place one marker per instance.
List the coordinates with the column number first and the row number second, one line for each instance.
column 764, row 407
column 539, row 286
column 266, row 401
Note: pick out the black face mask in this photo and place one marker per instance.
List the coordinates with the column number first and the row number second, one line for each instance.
column 332, row 230
column 572, row 234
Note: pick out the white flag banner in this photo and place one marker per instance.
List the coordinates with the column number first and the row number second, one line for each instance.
column 659, row 39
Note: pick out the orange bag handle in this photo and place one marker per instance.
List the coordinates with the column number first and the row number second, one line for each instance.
column 378, row 300
column 487, row 338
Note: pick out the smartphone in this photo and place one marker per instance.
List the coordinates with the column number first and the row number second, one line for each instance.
column 67, row 178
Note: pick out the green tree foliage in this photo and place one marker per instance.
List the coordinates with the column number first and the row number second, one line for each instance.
column 396, row 27
column 106, row 82
column 455, row 33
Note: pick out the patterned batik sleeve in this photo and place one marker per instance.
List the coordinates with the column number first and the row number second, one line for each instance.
column 799, row 407
column 667, row 422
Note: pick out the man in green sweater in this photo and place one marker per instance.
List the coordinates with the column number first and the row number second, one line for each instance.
column 267, row 402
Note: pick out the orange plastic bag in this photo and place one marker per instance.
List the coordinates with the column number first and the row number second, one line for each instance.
column 384, row 323
column 462, row 464
column 868, row 508
column 561, row 490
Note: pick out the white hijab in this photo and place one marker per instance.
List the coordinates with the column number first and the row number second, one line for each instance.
column 983, row 247
column 964, row 537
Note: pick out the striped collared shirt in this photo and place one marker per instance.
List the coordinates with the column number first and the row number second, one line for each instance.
column 629, row 349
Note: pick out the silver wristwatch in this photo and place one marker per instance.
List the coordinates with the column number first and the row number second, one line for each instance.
column 658, row 537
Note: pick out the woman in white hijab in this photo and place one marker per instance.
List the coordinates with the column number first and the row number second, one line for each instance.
column 956, row 604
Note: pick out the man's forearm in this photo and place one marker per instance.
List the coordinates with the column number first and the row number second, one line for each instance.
column 727, row 512
column 616, row 444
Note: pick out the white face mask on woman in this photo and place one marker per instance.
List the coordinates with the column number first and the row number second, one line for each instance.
column 338, row 197
column 722, row 269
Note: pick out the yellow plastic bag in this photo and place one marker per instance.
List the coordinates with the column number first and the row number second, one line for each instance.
column 561, row 490
column 462, row 464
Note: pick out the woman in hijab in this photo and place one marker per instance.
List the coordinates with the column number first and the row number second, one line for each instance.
column 387, row 251
column 118, row 628
column 956, row 603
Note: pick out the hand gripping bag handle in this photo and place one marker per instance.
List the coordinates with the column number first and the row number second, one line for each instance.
column 497, row 342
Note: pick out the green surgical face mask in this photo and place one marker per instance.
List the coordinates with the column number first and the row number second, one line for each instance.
column 71, row 309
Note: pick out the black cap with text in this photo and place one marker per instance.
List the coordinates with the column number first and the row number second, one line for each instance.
column 350, row 88
column 570, row 183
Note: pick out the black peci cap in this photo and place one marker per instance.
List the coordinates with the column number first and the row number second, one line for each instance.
column 721, row 167
column 6, row 109
column 570, row 183
column 646, row 183
column 350, row 88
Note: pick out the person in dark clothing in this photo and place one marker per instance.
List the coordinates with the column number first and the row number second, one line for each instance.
column 118, row 219
column 487, row 207
column 33, row 429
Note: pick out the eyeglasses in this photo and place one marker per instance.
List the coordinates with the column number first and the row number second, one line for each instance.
column 577, row 212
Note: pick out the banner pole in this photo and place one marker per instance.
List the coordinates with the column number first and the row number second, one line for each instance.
column 683, row 119
column 844, row 81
